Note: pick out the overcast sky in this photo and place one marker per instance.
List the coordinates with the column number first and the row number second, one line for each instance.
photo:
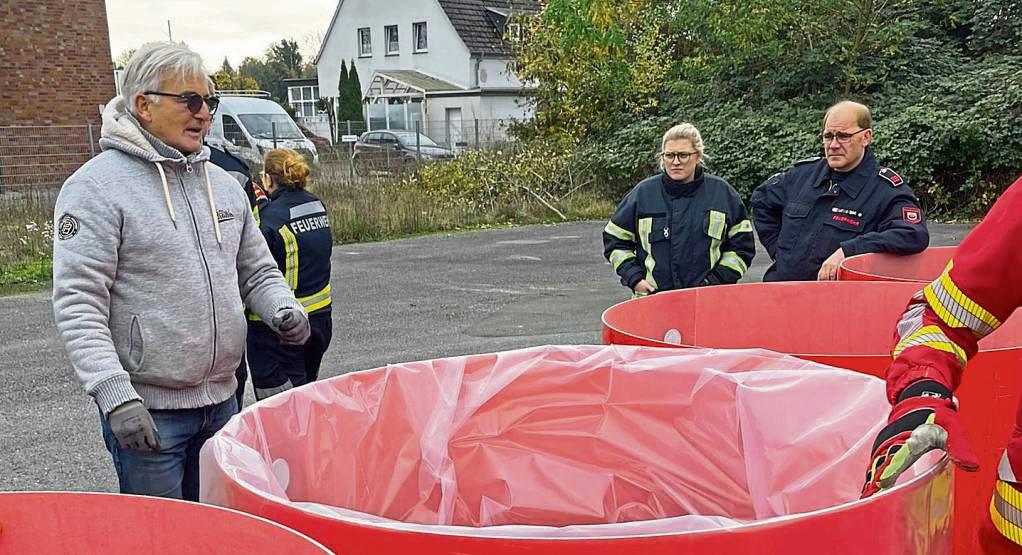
column 219, row 28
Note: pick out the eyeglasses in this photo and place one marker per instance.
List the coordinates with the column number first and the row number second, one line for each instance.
column 842, row 138
column 192, row 101
column 682, row 157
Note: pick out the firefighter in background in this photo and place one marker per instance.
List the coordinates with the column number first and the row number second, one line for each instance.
column 238, row 169
column 297, row 230
column 681, row 228
column 937, row 334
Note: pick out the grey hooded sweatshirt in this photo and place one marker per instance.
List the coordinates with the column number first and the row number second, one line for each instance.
column 154, row 253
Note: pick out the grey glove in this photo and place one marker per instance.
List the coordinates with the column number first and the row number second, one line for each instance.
column 133, row 427
column 292, row 325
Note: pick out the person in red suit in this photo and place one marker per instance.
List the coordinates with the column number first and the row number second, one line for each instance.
column 937, row 335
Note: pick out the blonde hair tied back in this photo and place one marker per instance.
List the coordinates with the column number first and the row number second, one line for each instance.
column 287, row 168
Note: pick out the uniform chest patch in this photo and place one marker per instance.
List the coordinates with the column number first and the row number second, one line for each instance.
column 224, row 216
column 846, row 220
column 912, row 215
column 67, row 226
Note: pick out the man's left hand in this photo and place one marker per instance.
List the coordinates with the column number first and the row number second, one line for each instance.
column 828, row 271
column 292, row 325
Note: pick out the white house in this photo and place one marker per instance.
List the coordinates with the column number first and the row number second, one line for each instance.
column 442, row 63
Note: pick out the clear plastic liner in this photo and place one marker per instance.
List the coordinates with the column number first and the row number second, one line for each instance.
column 560, row 442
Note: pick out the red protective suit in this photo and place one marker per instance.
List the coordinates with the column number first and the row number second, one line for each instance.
column 940, row 329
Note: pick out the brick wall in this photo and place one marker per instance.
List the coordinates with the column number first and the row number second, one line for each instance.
column 55, row 63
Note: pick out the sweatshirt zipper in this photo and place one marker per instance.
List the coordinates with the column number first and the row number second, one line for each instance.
column 209, row 275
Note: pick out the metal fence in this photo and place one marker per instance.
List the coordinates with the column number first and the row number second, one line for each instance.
column 39, row 157
column 33, row 158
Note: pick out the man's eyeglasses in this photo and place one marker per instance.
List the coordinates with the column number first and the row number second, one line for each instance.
column 840, row 137
column 682, row 157
column 192, row 101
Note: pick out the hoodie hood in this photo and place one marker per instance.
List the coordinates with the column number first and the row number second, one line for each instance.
column 122, row 131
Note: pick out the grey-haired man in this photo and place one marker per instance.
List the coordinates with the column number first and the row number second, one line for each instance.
column 154, row 254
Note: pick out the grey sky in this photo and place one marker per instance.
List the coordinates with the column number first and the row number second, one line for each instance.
column 219, row 28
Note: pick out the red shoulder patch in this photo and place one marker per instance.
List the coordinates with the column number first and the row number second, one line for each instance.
column 891, row 176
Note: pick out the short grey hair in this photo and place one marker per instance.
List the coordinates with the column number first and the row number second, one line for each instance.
column 155, row 61
column 683, row 131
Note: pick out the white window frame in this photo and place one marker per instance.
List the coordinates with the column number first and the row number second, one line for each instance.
column 365, row 49
column 386, row 40
column 419, row 27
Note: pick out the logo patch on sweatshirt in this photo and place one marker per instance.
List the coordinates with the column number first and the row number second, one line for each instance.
column 223, row 216
column 67, row 226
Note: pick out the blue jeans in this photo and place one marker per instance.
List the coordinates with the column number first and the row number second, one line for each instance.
column 173, row 471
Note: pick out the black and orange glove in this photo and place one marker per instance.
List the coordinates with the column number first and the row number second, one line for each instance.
column 925, row 418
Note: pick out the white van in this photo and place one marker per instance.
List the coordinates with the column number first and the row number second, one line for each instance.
column 245, row 125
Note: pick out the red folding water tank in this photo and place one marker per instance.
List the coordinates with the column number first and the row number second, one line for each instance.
column 844, row 324
column 917, row 268
column 64, row 523
column 580, row 451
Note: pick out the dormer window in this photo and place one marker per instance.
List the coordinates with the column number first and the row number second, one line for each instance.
column 390, row 38
column 419, row 37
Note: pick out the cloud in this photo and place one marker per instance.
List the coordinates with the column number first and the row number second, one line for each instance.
column 219, row 28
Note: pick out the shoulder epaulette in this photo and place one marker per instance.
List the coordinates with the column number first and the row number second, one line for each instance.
column 809, row 160
column 891, row 176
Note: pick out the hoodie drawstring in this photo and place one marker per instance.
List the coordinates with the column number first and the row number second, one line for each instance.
column 166, row 194
column 209, row 194
column 212, row 207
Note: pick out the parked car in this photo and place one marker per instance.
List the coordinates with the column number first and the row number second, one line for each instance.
column 246, row 123
column 389, row 149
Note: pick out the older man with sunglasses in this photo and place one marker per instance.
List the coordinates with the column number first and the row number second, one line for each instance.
column 844, row 203
column 155, row 256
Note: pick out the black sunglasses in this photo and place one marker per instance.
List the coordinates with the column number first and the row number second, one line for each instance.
column 192, row 101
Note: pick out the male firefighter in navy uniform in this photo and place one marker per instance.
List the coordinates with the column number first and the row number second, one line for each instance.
column 296, row 227
column 238, row 169
column 842, row 204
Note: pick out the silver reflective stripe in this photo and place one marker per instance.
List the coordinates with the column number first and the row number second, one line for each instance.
column 311, row 207
column 264, row 393
column 730, row 259
column 645, row 227
column 716, row 232
column 959, row 310
column 618, row 257
column 744, row 226
column 1004, row 471
column 1008, row 512
column 615, row 230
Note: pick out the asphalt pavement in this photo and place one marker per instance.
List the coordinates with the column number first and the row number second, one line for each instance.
column 394, row 301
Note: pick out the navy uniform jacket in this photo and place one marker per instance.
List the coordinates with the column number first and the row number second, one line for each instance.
column 237, row 168
column 673, row 243
column 297, row 230
column 802, row 217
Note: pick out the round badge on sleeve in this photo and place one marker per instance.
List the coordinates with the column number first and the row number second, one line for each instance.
column 67, row 226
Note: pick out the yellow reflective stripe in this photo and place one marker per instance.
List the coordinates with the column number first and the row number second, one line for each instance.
column 254, row 318
column 290, row 257
column 730, row 259
column 619, row 232
column 645, row 227
column 618, row 257
column 255, row 213
column 716, row 232
column 934, row 338
column 956, row 309
column 1006, row 511
column 317, row 300
column 744, row 226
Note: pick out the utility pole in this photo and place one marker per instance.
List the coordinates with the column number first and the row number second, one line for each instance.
column 170, row 36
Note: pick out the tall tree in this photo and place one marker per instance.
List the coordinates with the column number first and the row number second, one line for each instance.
column 286, row 58
column 226, row 67
column 350, row 99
